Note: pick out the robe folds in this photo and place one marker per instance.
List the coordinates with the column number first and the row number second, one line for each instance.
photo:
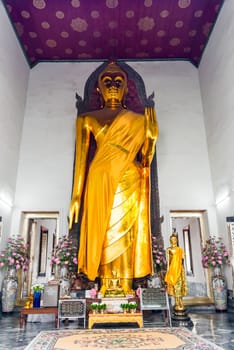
column 116, row 200
column 175, row 276
column 175, row 267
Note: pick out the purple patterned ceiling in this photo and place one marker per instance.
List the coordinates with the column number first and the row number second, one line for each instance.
column 65, row 30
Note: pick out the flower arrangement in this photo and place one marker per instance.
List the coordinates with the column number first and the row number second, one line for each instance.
column 214, row 253
column 64, row 253
column 37, row 287
column 159, row 255
column 15, row 255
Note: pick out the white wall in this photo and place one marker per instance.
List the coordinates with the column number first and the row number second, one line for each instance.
column 216, row 74
column 45, row 171
column 14, row 73
column 183, row 164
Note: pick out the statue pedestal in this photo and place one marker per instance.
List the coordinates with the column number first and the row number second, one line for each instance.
column 181, row 319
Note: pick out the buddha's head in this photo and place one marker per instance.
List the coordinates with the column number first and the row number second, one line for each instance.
column 174, row 239
column 112, row 85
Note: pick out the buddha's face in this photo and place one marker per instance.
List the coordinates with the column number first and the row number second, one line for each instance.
column 173, row 241
column 113, row 86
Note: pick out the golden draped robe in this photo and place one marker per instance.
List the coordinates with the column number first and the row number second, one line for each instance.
column 116, row 202
column 175, row 275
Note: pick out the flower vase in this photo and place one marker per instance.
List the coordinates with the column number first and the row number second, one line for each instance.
column 219, row 290
column 9, row 290
column 64, row 282
column 156, row 280
column 36, row 299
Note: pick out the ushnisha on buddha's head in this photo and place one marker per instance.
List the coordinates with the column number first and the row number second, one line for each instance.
column 112, row 85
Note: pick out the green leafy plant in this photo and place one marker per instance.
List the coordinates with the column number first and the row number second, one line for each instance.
column 94, row 306
column 124, row 306
column 101, row 306
column 132, row 305
column 214, row 253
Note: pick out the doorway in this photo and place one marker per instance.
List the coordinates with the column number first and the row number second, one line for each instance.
column 40, row 231
column 192, row 230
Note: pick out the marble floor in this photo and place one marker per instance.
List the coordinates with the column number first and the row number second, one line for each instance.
column 213, row 326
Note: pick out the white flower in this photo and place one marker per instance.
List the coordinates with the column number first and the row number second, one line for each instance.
column 37, row 287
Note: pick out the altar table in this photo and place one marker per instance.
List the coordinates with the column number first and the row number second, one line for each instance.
column 37, row 311
column 115, row 318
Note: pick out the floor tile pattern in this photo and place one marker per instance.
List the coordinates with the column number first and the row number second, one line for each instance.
column 213, row 326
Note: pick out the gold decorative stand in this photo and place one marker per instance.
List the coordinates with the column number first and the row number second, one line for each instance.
column 180, row 318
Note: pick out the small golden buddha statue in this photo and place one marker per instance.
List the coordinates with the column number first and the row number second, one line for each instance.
column 29, row 302
column 175, row 275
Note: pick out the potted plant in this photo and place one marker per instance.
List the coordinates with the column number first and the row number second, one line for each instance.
column 94, row 307
column 64, row 253
column 37, row 290
column 124, row 307
column 132, row 306
column 64, row 258
column 13, row 258
column 214, row 253
column 215, row 256
column 15, row 255
column 101, row 307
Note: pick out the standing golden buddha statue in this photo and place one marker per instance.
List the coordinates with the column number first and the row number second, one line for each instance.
column 175, row 275
column 115, row 237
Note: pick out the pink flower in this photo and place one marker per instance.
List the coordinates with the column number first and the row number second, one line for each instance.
column 214, row 253
column 11, row 261
column 64, row 253
column 93, row 292
column 15, row 254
